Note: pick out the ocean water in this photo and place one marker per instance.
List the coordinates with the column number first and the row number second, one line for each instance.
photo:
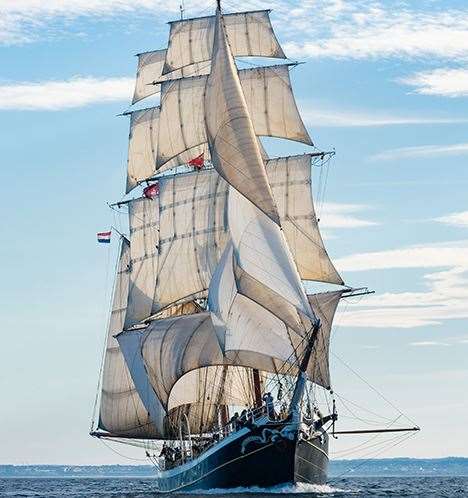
column 420, row 487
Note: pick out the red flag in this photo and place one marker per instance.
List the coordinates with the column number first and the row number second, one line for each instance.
column 151, row 191
column 198, row 162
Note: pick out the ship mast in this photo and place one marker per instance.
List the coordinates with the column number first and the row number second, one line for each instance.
column 231, row 227
column 301, row 381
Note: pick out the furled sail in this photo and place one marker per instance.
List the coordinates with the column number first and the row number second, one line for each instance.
column 268, row 96
column 234, row 148
column 249, row 34
column 121, row 409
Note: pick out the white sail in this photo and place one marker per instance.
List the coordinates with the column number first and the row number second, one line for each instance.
column 150, row 66
column 132, row 353
column 324, row 304
column 234, row 148
column 271, row 103
column 149, row 73
column 264, row 268
column 230, row 388
column 242, row 235
column 177, row 240
column 249, row 34
column 142, row 145
column 172, row 350
column 243, row 325
column 191, row 227
column 143, row 217
column 121, row 409
column 268, row 96
column 290, row 179
column 171, row 354
column 182, row 123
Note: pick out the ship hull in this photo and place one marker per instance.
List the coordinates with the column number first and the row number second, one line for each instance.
column 266, row 456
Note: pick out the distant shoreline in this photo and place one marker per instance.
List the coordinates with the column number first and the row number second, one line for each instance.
column 386, row 467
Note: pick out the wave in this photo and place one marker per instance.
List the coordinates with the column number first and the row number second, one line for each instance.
column 299, row 488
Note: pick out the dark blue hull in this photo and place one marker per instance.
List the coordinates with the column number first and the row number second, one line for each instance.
column 268, row 455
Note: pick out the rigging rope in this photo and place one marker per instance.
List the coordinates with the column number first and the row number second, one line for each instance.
column 121, row 454
column 404, row 438
column 374, row 389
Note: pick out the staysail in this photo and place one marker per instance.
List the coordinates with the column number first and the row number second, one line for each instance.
column 234, row 150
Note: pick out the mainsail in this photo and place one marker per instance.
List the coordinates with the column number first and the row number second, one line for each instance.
column 209, row 295
column 122, row 411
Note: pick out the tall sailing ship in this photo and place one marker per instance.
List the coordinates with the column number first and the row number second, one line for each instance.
column 213, row 345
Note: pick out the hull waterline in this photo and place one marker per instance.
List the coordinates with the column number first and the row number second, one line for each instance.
column 263, row 457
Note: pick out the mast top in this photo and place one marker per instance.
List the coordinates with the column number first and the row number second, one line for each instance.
column 218, row 4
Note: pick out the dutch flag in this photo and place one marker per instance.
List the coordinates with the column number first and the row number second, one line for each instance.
column 104, row 237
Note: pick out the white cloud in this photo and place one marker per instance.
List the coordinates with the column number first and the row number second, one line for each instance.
column 421, row 151
column 21, row 20
column 459, row 219
column 445, row 82
column 311, row 28
column 428, row 343
column 336, row 215
column 416, row 256
column 56, row 95
column 370, row 28
column 316, row 116
column 445, row 295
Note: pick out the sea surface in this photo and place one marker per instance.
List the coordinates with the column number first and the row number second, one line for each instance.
column 420, row 487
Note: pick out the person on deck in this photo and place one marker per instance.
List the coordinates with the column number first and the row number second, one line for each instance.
column 234, row 422
column 269, row 404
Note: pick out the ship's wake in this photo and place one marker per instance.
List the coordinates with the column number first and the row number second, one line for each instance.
column 283, row 489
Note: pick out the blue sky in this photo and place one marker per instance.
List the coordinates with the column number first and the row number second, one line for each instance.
column 386, row 84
